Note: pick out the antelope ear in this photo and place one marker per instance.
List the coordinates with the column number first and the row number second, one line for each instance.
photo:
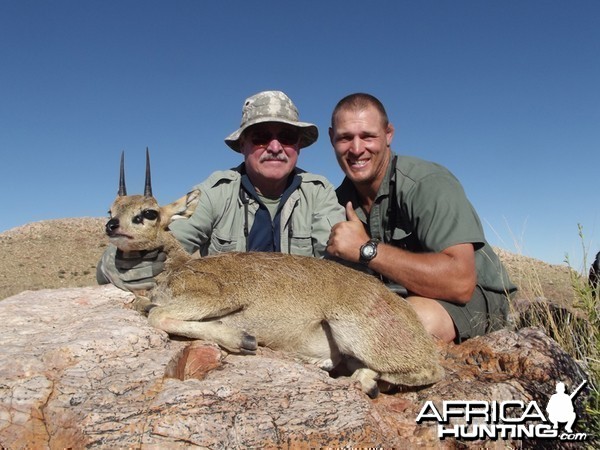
column 181, row 208
column 191, row 201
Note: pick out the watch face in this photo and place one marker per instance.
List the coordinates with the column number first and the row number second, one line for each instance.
column 369, row 251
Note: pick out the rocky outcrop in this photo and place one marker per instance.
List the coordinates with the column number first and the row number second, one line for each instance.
column 78, row 368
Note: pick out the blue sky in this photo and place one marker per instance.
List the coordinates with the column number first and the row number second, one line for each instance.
column 504, row 93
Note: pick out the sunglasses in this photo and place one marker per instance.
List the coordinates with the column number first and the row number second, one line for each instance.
column 260, row 138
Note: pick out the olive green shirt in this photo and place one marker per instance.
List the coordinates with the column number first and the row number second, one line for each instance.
column 431, row 213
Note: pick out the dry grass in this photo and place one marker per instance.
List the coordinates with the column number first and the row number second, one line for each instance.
column 559, row 300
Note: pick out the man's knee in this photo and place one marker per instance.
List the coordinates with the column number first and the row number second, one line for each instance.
column 434, row 318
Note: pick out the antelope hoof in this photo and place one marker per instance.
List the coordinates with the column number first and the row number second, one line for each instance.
column 149, row 308
column 371, row 391
column 368, row 381
column 249, row 345
column 143, row 305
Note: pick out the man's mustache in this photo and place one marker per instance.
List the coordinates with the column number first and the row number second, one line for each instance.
column 274, row 157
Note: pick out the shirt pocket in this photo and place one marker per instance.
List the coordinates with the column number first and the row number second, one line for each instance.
column 301, row 244
column 222, row 244
column 405, row 240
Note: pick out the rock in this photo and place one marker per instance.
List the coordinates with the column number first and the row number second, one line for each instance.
column 78, row 368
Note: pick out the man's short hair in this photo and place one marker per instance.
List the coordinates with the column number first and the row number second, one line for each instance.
column 359, row 102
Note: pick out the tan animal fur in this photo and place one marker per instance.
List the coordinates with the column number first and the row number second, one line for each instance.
column 313, row 308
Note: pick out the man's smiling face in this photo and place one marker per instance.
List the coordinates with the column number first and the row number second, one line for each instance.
column 361, row 141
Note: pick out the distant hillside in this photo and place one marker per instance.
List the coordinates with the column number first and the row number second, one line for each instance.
column 64, row 253
column 51, row 254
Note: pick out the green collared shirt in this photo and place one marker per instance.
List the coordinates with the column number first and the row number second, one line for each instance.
column 430, row 212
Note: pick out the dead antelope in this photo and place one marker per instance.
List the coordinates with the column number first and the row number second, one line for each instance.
column 318, row 310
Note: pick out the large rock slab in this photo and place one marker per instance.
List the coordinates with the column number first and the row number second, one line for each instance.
column 80, row 369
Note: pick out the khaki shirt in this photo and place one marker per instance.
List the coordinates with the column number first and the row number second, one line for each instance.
column 217, row 224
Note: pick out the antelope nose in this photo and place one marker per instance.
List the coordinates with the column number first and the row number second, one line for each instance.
column 111, row 226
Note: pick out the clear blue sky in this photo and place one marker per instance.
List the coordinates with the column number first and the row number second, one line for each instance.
column 504, row 93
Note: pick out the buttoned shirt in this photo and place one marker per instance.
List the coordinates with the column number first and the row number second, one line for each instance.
column 421, row 207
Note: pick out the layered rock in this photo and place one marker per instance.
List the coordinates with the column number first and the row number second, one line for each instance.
column 78, row 368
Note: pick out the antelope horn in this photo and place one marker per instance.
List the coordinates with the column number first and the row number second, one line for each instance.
column 122, row 188
column 148, row 186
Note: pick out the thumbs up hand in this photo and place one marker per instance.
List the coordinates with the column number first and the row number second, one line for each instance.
column 346, row 238
column 351, row 214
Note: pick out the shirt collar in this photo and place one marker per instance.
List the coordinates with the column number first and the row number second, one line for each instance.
column 384, row 188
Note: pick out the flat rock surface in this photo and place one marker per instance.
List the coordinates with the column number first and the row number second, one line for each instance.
column 79, row 369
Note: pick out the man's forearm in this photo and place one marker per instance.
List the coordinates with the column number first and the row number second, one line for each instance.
column 448, row 275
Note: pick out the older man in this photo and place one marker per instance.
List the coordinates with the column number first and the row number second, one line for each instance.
column 410, row 223
column 264, row 204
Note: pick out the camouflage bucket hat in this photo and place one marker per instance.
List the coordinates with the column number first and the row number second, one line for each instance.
column 272, row 106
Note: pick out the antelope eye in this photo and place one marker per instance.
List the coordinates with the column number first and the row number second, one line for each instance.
column 150, row 214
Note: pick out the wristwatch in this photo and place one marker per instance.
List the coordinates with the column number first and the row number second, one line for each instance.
column 368, row 251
